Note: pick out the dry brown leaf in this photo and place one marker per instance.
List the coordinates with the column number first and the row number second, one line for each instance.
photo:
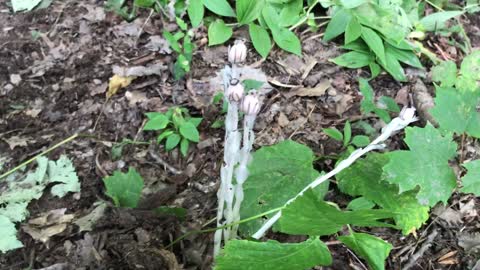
column 116, row 83
column 448, row 258
column 15, row 141
column 86, row 222
column 48, row 224
column 319, row 90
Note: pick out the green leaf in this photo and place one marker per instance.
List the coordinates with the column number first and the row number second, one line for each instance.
column 394, row 68
column 157, row 121
column 63, row 174
column 179, row 212
column 456, row 110
column 218, row 32
column 291, row 13
column 389, row 104
column 276, row 174
column 144, row 3
column 219, row 7
column 471, row 66
column 333, row 133
column 374, row 42
column 9, row 239
column 195, row 121
column 181, row 24
column 283, row 37
column 347, row 133
column 164, row 135
column 360, row 141
column 124, row 188
column 367, row 104
column 353, row 31
column 260, row 39
column 20, row 5
column 15, row 211
column 247, row 255
column 337, row 24
column 172, row 141
column 425, row 165
column 370, row 248
column 249, row 84
column 248, row 10
column 471, row 181
column 189, row 131
column 360, row 203
column 445, row 73
column 308, row 215
column 184, row 147
column 405, row 56
column 358, row 180
column 375, row 69
column 437, row 20
column 195, row 12
column 172, row 41
column 353, row 59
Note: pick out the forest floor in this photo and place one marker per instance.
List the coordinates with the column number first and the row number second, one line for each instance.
column 64, row 55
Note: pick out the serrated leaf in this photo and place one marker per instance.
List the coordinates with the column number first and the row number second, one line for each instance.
column 276, row 174
column 124, row 188
column 15, row 211
column 308, row 215
column 375, row 43
column 372, row 249
column 218, row 32
column 247, row 255
column 437, row 20
column 333, row 133
column 364, row 178
column 63, row 174
column 456, row 110
column 425, row 165
column 260, row 39
column 445, row 73
column 360, row 203
column 248, row 10
column 337, row 24
column 9, row 240
column 172, row 141
column 220, row 7
column 353, row 59
column 471, row 181
column 20, row 5
column 195, row 12
column 189, row 131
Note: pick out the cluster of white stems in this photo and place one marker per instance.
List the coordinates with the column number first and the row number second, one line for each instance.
column 230, row 193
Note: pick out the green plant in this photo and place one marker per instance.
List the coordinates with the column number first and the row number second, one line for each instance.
column 124, row 189
column 381, row 108
column 346, row 137
column 177, row 127
column 181, row 43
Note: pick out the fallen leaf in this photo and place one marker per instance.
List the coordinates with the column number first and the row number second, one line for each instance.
column 447, row 214
column 448, row 258
column 158, row 44
column 139, row 71
column 48, row 224
column 86, row 222
column 15, row 141
column 319, row 90
column 15, row 79
column 470, row 242
column 116, row 83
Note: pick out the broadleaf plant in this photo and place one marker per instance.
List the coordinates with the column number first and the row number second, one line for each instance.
column 124, row 188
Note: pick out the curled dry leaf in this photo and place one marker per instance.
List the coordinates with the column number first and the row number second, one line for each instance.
column 48, row 224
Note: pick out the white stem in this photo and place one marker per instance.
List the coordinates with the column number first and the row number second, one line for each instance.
column 396, row 124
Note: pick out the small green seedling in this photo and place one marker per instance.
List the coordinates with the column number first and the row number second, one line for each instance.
column 346, row 137
column 181, row 43
column 176, row 126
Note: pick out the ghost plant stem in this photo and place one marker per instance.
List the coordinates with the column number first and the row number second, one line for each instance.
column 406, row 117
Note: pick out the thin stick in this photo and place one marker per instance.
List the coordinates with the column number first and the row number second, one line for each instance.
column 69, row 139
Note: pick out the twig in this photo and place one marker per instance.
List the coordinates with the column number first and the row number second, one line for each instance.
column 421, row 251
column 143, row 26
column 163, row 162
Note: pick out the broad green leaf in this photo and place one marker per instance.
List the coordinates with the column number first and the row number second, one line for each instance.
column 172, row 141
column 219, row 7
column 164, row 135
column 401, row 45
column 249, row 84
column 157, row 122
column 375, row 43
column 195, row 121
column 184, row 147
column 189, row 131
column 290, row 13
column 359, row 180
column 357, row 45
column 424, row 166
column 394, row 68
column 218, row 32
column 337, row 24
column 283, row 37
column 370, row 248
column 437, row 20
column 15, row 211
column 276, row 174
column 249, row 255
column 260, row 39
column 353, row 31
column 456, row 110
column 389, row 104
column 20, row 5
column 124, row 188
column 375, row 69
column 353, row 59
column 195, row 12
column 144, row 3
column 360, row 203
column 172, row 41
column 9, row 240
column 368, row 102
column 347, row 133
column 471, row 66
column 467, row 83
column 309, row 215
column 360, row 141
column 471, row 181
column 248, row 10
column 405, row 56
column 445, row 73
column 349, row 4
column 63, row 174
column 333, row 133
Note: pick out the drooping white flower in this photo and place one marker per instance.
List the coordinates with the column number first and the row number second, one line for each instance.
column 235, row 91
column 250, row 104
column 237, row 53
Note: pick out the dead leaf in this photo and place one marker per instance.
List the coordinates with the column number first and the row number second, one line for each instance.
column 15, row 79
column 468, row 209
column 158, row 44
column 282, row 120
column 86, row 222
column 15, row 141
column 139, row 71
column 470, row 242
column 447, row 214
column 116, row 83
column 343, row 104
column 448, row 258
column 48, row 224
column 319, row 90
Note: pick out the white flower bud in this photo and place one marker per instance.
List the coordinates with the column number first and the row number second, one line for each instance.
column 250, row 104
column 235, row 90
column 408, row 114
column 237, row 53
